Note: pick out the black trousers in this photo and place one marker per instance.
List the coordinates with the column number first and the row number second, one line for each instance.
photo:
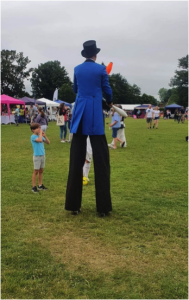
column 101, row 169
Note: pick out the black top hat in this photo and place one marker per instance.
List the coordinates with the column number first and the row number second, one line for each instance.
column 90, row 49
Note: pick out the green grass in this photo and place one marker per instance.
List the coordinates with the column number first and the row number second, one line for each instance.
column 139, row 252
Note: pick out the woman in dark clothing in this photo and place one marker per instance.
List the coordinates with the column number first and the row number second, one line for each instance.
column 42, row 119
column 63, row 128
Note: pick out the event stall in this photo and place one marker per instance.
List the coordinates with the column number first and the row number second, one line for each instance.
column 9, row 118
column 31, row 101
column 66, row 103
column 50, row 104
column 172, row 107
column 128, row 107
column 142, row 108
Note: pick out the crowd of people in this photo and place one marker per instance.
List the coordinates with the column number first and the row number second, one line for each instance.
column 180, row 115
column 21, row 115
column 27, row 115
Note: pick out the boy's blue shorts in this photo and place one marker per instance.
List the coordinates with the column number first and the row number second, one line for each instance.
column 114, row 132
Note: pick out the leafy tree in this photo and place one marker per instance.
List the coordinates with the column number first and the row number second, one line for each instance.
column 136, row 91
column 183, row 96
column 181, row 77
column 148, row 99
column 13, row 73
column 47, row 77
column 180, row 81
column 162, row 94
column 123, row 92
column 66, row 93
column 174, row 98
column 120, row 88
column 134, row 94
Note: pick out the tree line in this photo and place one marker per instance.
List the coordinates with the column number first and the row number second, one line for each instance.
column 179, row 82
column 51, row 75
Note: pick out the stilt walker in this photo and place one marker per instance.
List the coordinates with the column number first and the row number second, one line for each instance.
column 90, row 80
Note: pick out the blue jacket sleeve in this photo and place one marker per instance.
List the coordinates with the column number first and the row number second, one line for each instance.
column 75, row 84
column 106, row 86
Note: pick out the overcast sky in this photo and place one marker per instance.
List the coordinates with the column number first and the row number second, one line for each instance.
column 143, row 39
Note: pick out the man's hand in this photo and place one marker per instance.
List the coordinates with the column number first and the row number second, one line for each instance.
column 110, row 105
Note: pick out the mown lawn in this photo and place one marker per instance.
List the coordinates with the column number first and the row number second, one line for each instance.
column 139, row 252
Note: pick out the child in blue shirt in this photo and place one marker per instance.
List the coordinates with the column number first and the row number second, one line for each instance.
column 37, row 139
column 116, row 119
column 16, row 115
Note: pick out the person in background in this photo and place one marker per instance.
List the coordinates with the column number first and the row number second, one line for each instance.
column 48, row 113
column 115, row 125
column 69, row 117
column 27, row 116
column 88, row 159
column 35, row 108
column 22, row 114
column 138, row 113
column 182, row 110
column 168, row 114
column 149, row 115
column 16, row 115
column 176, row 115
column 31, row 112
column 179, row 116
column 37, row 139
column 63, row 129
column 165, row 115
column 182, row 114
column 121, row 132
column 156, row 117
column 187, row 115
column 42, row 119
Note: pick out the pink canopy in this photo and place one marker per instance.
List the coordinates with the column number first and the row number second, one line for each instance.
column 9, row 100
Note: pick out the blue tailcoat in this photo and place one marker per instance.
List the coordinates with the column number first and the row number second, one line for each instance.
column 90, row 79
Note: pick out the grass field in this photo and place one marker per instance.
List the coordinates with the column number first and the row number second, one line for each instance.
column 139, row 252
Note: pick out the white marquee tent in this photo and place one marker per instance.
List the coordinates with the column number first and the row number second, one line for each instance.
column 50, row 103
column 128, row 106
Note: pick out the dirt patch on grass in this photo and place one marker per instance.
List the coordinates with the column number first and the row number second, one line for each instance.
column 83, row 251
column 88, row 253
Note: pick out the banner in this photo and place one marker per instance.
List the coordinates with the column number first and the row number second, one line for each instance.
column 55, row 95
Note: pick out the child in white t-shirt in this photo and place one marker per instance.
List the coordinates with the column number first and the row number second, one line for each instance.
column 149, row 115
column 156, row 117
